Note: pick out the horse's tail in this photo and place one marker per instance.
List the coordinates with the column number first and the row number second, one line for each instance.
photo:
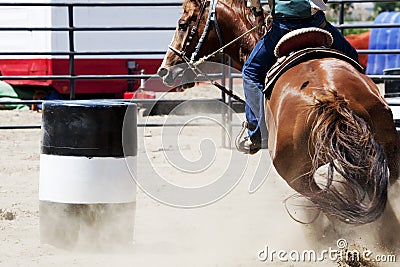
column 345, row 142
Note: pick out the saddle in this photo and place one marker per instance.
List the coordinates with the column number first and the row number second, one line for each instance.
column 309, row 43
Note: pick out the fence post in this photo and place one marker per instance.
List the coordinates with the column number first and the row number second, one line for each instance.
column 230, row 106
column 71, row 40
column 341, row 15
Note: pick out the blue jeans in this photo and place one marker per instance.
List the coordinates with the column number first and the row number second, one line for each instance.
column 262, row 58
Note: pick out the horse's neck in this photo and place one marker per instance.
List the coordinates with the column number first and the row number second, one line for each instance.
column 240, row 50
column 246, row 46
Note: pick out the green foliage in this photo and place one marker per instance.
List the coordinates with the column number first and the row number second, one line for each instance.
column 334, row 11
column 391, row 6
column 354, row 31
column 348, row 8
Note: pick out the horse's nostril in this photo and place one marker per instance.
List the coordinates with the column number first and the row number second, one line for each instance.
column 162, row 72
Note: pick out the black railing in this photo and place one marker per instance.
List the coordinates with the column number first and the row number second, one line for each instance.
column 71, row 29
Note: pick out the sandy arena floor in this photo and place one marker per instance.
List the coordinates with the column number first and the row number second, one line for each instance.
column 228, row 232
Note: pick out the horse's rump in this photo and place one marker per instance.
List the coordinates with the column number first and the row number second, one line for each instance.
column 344, row 141
column 329, row 115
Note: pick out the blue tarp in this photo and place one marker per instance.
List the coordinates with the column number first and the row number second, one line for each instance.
column 384, row 38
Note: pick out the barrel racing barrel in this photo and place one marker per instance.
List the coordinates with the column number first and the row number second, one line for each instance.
column 87, row 189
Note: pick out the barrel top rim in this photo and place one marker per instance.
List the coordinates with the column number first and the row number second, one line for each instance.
column 87, row 103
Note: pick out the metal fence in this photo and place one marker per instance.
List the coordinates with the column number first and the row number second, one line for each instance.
column 370, row 25
column 71, row 28
column 72, row 77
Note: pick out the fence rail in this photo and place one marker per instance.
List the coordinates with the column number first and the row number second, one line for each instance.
column 165, row 104
column 96, row 4
column 71, row 28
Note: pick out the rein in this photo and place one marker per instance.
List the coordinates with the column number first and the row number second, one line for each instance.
column 192, row 63
column 221, row 49
column 198, row 72
column 211, row 17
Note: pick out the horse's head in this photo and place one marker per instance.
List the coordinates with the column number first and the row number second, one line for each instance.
column 193, row 39
column 187, row 35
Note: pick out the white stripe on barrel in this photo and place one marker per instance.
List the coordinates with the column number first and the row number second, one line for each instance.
column 85, row 180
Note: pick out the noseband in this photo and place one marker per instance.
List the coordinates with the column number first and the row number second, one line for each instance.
column 211, row 18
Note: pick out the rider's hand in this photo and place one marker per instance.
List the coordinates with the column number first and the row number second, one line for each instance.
column 259, row 18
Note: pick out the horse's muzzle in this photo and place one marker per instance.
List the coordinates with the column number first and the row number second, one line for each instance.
column 162, row 72
column 170, row 74
column 167, row 76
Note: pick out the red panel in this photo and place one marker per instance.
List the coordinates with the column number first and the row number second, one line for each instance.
column 26, row 67
column 103, row 67
column 360, row 41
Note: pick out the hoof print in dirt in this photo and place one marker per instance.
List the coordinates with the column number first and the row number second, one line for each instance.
column 7, row 215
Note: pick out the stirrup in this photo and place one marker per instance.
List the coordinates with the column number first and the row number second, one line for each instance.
column 240, row 135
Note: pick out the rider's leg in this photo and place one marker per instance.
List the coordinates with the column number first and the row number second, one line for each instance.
column 253, row 73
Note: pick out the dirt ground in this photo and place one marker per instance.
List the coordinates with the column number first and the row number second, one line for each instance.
column 232, row 231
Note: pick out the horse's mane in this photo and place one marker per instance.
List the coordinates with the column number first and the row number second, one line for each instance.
column 233, row 2
column 238, row 5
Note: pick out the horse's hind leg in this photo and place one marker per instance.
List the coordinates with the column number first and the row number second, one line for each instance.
column 385, row 134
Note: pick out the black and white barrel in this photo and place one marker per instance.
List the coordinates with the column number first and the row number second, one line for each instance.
column 87, row 190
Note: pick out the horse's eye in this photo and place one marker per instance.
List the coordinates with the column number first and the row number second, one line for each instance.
column 182, row 25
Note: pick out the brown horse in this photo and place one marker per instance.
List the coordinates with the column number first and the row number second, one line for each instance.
column 321, row 112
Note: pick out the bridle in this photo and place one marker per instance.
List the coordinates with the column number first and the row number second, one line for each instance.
column 191, row 62
column 210, row 18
